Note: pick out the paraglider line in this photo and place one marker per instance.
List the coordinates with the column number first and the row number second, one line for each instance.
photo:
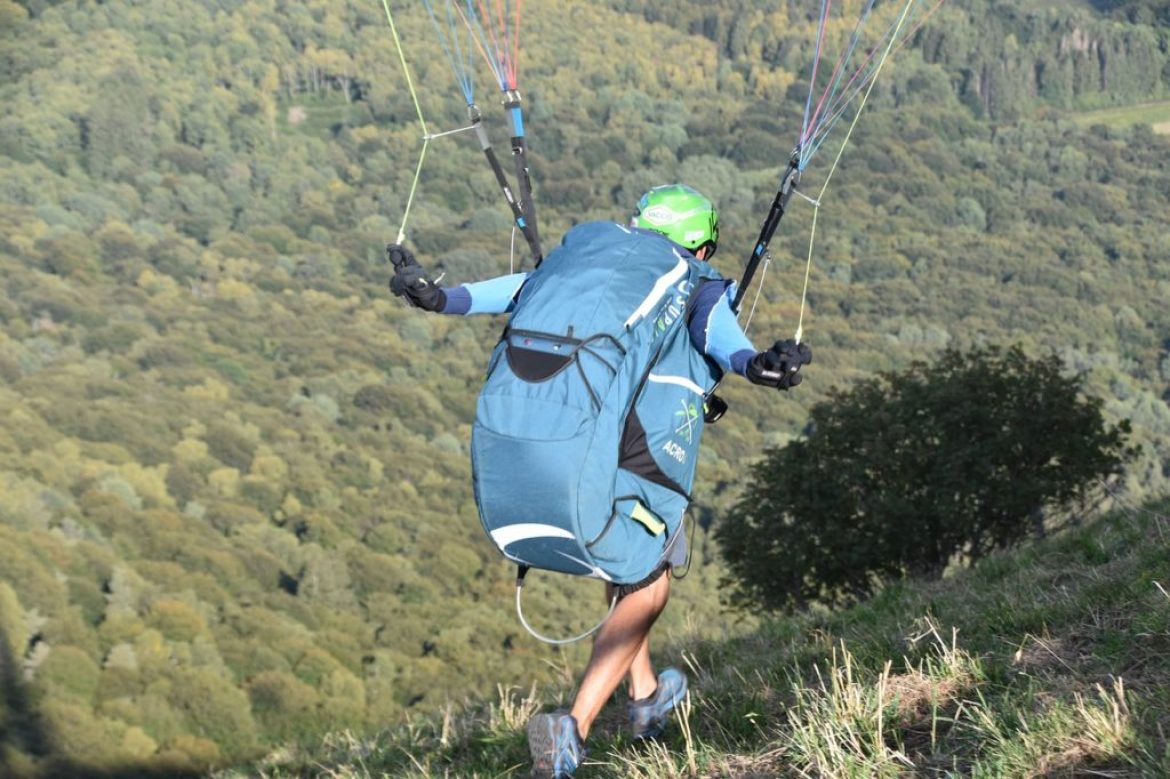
column 479, row 41
column 405, row 69
column 759, row 290
column 492, row 42
column 413, row 189
column 422, row 122
column 839, row 70
column 802, row 196
column 433, row 136
column 837, row 161
column 450, row 43
column 516, row 47
column 512, row 252
column 812, row 84
column 837, row 109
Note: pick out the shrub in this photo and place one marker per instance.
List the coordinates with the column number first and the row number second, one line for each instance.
column 905, row 471
column 286, row 706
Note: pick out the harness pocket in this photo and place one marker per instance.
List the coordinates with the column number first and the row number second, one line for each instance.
column 643, row 522
column 527, row 492
column 632, row 541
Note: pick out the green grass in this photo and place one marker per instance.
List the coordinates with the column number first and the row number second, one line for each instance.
column 1156, row 115
column 1053, row 660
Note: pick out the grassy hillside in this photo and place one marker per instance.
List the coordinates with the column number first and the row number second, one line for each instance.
column 1053, row 660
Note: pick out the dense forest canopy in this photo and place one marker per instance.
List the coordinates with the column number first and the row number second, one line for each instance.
column 235, row 505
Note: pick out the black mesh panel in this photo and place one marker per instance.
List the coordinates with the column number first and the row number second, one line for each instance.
column 635, row 456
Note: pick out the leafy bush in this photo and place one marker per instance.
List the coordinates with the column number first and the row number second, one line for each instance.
column 905, row 471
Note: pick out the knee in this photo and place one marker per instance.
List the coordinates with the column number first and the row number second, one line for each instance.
column 652, row 598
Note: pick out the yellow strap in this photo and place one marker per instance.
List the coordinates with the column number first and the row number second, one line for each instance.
column 644, row 516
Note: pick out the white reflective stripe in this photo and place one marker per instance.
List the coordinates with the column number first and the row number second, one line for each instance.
column 594, row 571
column 681, row 381
column 661, row 286
column 506, row 536
column 707, row 326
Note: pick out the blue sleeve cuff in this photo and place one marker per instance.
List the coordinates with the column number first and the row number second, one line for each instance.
column 458, row 301
column 493, row 296
column 740, row 360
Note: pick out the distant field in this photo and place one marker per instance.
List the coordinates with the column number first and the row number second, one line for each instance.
column 1066, row 4
column 312, row 114
column 1157, row 115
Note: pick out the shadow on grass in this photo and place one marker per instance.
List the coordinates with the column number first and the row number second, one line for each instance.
column 27, row 747
column 60, row 769
column 21, row 729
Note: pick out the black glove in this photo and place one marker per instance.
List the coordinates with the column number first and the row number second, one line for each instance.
column 410, row 281
column 779, row 366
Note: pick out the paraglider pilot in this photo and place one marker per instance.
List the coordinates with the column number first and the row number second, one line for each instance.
column 686, row 218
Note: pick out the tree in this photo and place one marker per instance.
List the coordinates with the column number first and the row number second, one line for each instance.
column 903, row 472
column 119, row 124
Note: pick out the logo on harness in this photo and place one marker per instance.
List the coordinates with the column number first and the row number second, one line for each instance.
column 675, row 308
column 688, row 416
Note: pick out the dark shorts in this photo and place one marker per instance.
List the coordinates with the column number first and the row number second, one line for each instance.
column 674, row 557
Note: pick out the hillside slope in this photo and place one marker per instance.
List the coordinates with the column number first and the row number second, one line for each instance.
column 1051, row 660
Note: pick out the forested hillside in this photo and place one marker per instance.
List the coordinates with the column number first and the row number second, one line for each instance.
column 235, row 503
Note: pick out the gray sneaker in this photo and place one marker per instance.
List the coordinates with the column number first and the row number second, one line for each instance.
column 648, row 716
column 555, row 746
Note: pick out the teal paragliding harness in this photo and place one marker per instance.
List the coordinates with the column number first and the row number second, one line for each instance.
column 587, row 430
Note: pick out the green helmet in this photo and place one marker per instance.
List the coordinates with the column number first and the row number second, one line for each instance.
column 681, row 214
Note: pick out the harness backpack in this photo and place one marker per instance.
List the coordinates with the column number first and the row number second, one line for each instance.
column 587, row 429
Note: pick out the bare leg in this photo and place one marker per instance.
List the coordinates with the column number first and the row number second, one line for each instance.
column 642, row 682
column 623, row 640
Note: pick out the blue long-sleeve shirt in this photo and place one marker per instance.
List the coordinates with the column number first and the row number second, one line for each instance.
column 714, row 329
